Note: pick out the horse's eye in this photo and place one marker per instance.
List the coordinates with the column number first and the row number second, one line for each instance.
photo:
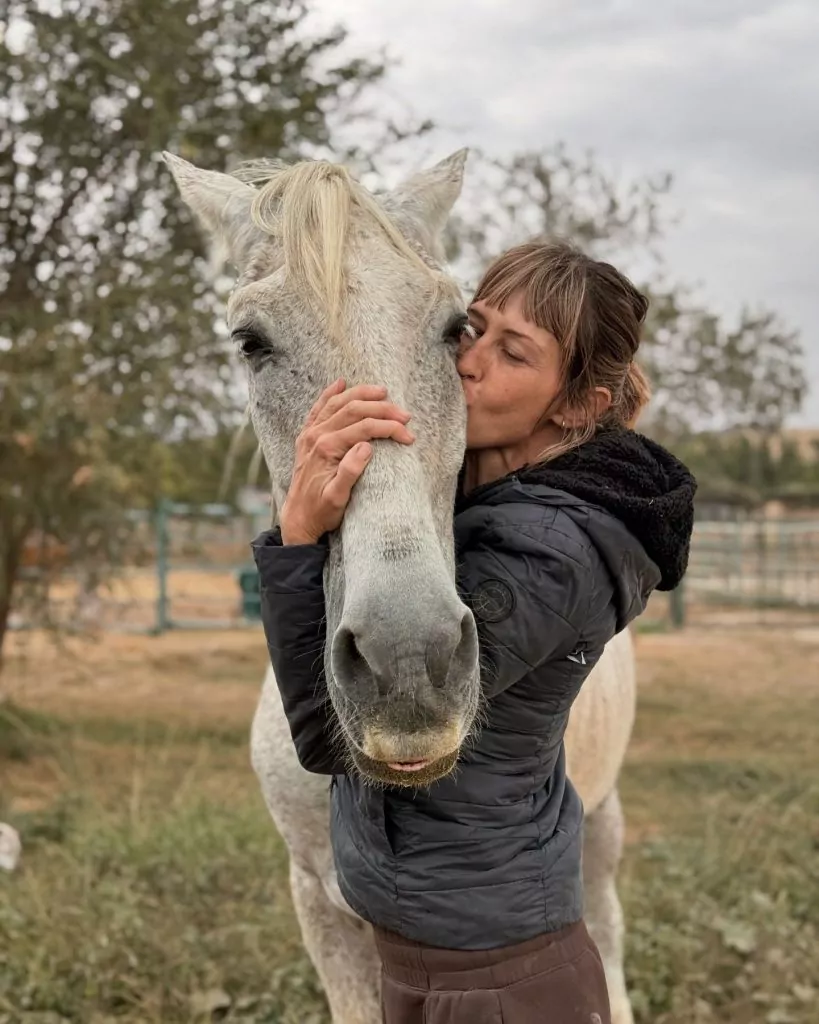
column 252, row 344
column 456, row 328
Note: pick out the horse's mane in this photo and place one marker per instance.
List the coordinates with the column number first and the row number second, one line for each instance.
column 309, row 207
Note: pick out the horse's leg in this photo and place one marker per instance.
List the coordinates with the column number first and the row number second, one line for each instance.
column 341, row 948
column 602, row 849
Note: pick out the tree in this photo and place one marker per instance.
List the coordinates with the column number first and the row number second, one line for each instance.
column 107, row 339
column 705, row 373
column 708, row 375
column 751, row 466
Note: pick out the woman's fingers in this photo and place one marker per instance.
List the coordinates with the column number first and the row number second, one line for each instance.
column 331, row 441
column 361, row 409
column 341, row 441
column 338, row 399
column 332, row 451
column 336, row 388
column 338, row 490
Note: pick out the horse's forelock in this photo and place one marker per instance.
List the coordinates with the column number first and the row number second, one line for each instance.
column 309, row 207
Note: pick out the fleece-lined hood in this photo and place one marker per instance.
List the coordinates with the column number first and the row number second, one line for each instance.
column 633, row 498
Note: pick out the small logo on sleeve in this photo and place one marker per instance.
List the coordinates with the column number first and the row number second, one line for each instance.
column 577, row 656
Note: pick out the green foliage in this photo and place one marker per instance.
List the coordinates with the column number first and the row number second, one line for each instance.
column 553, row 192
column 720, row 925
column 749, row 467
column 193, row 899
column 708, row 374
column 108, row 344
column 725, row 934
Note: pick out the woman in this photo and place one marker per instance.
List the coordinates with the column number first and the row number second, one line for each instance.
column 573, row 519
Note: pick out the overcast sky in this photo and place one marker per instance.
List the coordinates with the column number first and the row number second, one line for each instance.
column 723, row 93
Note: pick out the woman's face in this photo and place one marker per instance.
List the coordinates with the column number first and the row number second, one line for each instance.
column 511, row 377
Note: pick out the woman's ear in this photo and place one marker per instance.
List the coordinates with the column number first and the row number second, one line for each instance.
column 570, row 417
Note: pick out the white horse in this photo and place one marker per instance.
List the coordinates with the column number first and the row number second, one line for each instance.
column 336, row 282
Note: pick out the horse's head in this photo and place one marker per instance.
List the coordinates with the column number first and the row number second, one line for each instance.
column 335, row 282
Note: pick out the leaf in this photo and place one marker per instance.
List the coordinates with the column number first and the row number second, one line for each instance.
column 737, row 935
column 779, row 1015
column 209, row 1001
column 761, row 899
column 804, row 993
column 82, row 476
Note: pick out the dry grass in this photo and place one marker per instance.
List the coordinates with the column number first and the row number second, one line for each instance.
column 153, row 885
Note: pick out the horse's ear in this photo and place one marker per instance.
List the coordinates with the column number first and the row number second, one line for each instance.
column 221, row 203
column 428, row 196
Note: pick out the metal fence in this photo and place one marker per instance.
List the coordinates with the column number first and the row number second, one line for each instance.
column 191, row 568
column 753, row 571
column 205, row 578
column 185, row 567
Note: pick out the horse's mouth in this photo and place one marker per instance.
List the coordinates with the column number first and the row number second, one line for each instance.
column 412, row 774
column 408, row 766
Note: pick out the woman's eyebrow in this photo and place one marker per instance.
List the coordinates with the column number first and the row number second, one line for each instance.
column 476, row 313
column 517, row 334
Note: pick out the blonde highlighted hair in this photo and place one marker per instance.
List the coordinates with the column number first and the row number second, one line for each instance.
column 595, row 313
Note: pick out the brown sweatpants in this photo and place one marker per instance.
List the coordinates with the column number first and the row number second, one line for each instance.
column 553, row 979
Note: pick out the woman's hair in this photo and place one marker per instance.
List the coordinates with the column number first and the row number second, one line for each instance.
column 596, row 315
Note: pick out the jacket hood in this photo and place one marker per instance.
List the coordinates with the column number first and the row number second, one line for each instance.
column 646, row 493
column 640, row 483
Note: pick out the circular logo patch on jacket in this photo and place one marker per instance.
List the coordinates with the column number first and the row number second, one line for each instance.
column 493, row 601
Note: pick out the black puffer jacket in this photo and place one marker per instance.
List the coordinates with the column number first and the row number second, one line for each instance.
column 554, row 560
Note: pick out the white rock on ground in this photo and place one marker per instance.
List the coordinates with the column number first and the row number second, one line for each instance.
column 10, row 847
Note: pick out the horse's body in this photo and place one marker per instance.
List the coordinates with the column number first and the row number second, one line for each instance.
column 340, row 944
column 333, row 282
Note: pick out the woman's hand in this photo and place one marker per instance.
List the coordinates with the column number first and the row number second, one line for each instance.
column 332, row 451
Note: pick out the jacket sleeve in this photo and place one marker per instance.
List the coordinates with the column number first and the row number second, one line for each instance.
column 529, row 586
column 293, row 615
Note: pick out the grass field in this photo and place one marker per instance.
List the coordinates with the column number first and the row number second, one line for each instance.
column 153, row 886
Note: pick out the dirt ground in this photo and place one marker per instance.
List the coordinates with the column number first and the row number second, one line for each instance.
column 172, row 676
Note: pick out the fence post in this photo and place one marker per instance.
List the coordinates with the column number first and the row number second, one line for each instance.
column 161, row 523
column 677, row 601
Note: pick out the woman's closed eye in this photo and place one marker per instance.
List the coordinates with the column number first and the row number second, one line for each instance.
column 512, row 356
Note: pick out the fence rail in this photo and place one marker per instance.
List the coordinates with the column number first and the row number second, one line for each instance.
column 191, row 569
column 761, row 563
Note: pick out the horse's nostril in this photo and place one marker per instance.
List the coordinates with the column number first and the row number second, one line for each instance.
column 350, row 664
column 346, row 648
column 444, row 658
column 439, row 657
